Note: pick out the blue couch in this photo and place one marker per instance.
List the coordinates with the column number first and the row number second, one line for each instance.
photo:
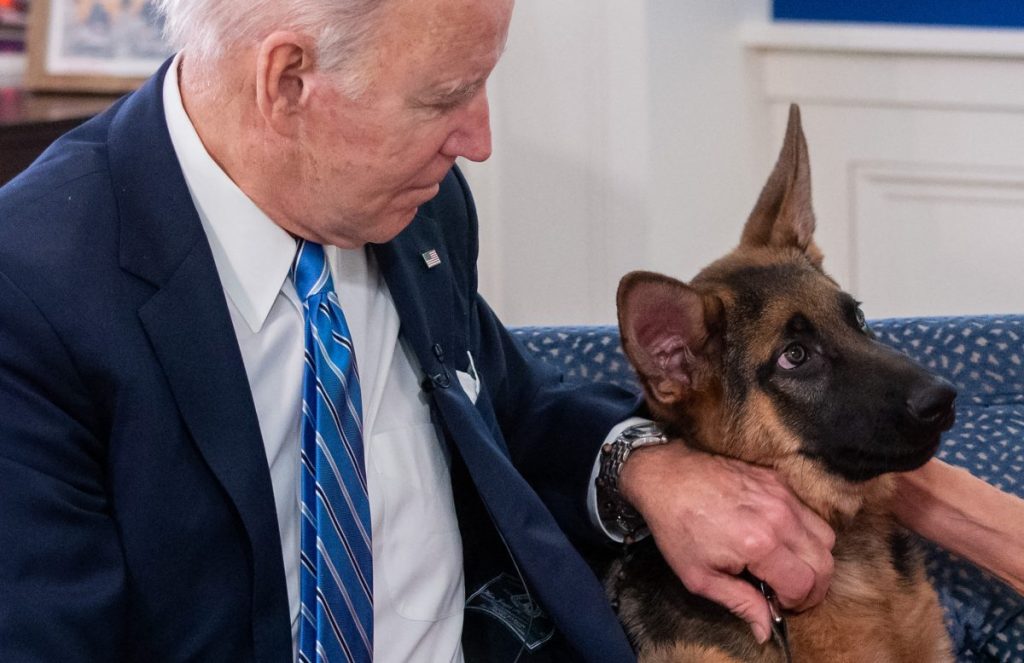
column 984, row 357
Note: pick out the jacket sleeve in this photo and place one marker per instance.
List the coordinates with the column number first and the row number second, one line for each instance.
column 553, row 430
column 62, row 578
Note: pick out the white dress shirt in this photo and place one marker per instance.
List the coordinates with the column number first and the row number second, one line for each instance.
column 418, row 583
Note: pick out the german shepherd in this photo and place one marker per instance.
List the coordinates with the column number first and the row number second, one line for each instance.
column 762, row 357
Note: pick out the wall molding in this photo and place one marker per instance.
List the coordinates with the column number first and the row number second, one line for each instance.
column 890, row 66
column 930, row 238
column 993, row 43
column 917, row 157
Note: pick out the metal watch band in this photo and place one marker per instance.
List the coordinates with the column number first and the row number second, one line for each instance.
column 615, row 512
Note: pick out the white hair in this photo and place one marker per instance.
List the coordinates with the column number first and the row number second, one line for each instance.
column 206, row 29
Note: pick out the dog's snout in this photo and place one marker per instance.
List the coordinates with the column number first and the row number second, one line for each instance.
column 932, row 403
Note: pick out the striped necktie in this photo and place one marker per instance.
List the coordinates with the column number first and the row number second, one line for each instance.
column 336, row 575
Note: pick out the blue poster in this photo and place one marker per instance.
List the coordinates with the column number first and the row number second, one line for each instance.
column 976, row 13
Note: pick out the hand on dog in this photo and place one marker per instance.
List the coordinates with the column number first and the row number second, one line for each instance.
column 712, row 517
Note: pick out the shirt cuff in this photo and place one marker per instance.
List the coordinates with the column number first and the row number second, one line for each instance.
column 616, row 534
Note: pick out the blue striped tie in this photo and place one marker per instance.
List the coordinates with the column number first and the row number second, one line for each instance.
column 336, row 578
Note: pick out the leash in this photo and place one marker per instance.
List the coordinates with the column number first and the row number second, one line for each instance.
column 779, row 629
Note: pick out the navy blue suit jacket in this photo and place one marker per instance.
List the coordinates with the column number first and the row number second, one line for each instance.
column 137, row 518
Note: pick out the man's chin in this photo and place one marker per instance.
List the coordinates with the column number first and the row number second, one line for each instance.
column 392, row 225
column 420, row 195
column 383, row 226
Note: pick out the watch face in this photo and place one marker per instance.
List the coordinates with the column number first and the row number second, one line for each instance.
column 643, row 434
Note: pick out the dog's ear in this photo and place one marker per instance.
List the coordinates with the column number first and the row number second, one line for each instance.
column 663, row 326
column 783, row 215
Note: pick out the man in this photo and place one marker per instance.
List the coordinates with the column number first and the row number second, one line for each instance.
column 162, row 371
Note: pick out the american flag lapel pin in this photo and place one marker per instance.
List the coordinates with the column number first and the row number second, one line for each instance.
column 431, row 258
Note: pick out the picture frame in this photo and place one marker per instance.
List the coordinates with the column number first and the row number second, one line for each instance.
column 13, row 15
column 102, row 46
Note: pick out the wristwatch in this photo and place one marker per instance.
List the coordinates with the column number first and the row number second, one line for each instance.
column 615, row 512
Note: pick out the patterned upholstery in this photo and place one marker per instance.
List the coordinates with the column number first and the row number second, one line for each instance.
column 984, row 357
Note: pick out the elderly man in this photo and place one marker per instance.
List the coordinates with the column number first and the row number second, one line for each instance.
column 253, row 407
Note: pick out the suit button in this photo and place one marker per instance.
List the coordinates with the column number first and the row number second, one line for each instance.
column 441, row 380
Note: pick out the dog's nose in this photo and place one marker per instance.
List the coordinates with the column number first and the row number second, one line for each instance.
column 932, row 404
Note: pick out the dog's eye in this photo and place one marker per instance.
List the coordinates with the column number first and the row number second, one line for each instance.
column 794, row 356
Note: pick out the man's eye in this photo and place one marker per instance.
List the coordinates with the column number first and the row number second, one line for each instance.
column 794, row 356
column 440, row 106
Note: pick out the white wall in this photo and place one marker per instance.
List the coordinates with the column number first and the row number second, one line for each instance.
column 638, row 134
column 623, row 140
column 12, row 69
column 713, row 151
column 917, row 149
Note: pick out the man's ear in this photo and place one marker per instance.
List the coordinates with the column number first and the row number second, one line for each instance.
column 783, row 216
column 664, row 328
column 285, row 65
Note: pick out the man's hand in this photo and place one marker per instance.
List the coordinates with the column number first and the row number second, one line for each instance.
column 713, row 517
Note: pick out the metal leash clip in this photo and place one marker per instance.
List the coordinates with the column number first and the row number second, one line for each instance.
column 779, row 629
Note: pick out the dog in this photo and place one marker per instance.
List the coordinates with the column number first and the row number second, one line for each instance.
column 762, row 357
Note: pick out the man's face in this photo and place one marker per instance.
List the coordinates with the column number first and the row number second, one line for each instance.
column 369, row 162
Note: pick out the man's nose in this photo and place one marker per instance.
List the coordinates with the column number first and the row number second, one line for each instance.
column 472, row 138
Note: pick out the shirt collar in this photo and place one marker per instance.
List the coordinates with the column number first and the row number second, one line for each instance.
column 252, row 253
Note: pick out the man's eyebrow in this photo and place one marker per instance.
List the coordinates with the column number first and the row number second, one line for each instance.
column 466, row 89
column 455, row 93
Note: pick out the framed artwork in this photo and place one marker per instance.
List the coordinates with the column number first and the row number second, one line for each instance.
column 93, row 45
column 12, row 25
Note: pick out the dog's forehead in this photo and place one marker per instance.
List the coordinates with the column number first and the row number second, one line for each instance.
column 763, row 302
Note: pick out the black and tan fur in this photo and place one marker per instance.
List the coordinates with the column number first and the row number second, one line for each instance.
column 762, row 357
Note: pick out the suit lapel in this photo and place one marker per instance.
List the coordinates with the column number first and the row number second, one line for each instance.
column 425, row 296
column 433, row 313
column 189, row 326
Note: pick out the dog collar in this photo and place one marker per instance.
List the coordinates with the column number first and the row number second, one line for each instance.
column 779, row 629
